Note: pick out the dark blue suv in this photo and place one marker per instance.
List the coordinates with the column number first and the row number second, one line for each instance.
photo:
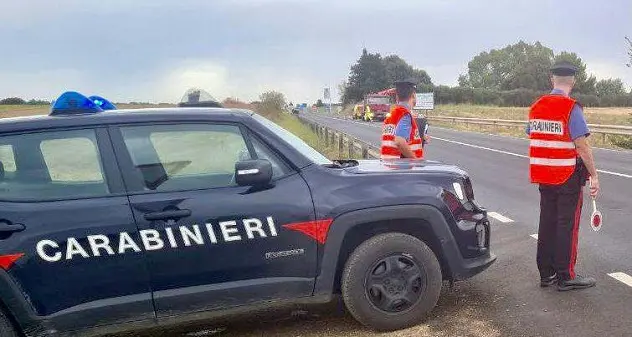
column 119, row 220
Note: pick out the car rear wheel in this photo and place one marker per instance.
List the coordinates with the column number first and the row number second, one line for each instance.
column 391, row 281
column 6, row 327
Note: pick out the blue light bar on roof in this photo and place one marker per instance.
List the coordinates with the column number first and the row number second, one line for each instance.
column 102, row 102
column 74, row 103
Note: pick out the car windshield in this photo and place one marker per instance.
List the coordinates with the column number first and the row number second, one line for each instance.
column 294, row 141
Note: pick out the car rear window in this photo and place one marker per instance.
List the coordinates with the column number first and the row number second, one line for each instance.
column 51, row 165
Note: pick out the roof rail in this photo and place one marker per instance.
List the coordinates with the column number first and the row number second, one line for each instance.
column 73, row 103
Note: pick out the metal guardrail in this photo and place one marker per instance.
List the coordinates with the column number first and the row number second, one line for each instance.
column 604, row 129
column 343, row 142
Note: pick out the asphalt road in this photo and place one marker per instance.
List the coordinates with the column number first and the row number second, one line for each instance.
column 508, row 298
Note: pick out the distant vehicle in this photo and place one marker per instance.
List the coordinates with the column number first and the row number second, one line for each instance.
column 379, row 103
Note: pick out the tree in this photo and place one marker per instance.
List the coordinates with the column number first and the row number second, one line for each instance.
column 367, row 75
column 520, row 65
column 12, row 101
column 271, row 102
column 373, row 73
column 610, row 87
column 629, row 64
column 319, row 103
column 398, row 69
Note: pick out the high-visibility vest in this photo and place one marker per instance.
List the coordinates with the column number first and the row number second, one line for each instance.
column 368, row 109
column 389, row 149
column 552, row 153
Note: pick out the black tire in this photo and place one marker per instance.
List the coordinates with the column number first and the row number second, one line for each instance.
column 361, row 292
column 6, row 326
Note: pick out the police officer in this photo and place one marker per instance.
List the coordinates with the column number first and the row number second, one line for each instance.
column 400, row 133
column 561, row 160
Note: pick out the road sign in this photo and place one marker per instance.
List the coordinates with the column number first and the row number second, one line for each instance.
column 326, row 94
column 425, row 101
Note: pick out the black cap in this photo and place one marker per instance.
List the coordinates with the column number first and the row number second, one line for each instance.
column 563, row 68
column 408, row 82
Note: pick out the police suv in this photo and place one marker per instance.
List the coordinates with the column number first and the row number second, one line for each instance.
column 116, row 220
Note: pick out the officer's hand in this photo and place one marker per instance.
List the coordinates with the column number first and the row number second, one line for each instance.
column 594, row 186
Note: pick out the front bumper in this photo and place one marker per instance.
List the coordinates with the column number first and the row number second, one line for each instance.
column 473, row 266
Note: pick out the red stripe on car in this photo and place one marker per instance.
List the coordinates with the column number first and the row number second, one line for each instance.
column 6, row 261
column 316, row 230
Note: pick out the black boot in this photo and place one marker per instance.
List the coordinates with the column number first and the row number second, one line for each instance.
column 548, row 281
column 579, row 282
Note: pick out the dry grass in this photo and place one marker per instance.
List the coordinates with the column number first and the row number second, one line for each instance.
column 30, row 110
column 612, row 116
column 616, row 116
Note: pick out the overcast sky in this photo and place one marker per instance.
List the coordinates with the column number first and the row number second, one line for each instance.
column 153, row 50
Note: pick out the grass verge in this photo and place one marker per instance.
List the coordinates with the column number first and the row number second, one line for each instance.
column 301, row 130
column 612, row 116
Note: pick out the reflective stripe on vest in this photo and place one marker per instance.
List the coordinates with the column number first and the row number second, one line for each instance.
column 552, row 144
column 552, row 153
column 553, row 162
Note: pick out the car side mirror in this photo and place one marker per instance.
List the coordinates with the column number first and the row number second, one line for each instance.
column 256, row 173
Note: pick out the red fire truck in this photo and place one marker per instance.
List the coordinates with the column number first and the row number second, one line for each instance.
column 379, row 104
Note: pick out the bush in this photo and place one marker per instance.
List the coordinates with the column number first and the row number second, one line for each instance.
column 520, row 97
column 272, row 103
column 621, row 141
column 587, row 100
column 12, row 101
column 517, row 97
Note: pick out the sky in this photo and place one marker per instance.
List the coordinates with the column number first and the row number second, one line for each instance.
column 154, row 50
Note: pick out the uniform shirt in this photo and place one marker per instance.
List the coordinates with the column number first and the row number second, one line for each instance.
column 577, row 124
column 405, row 125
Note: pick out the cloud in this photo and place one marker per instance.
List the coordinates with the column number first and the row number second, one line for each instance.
column 153, row 50
column 605, row 70
column 208, row 75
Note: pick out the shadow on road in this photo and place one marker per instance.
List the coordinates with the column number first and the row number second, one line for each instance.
column 460, row 312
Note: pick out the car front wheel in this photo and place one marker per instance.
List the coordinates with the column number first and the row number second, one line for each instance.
column 391, row 282
column 6, row 327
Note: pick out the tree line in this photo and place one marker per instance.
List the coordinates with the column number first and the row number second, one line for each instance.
column 512, row 76
column 20, row 101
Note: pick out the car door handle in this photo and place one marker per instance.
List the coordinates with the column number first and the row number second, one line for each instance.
column 7, row 227
column 165, row 215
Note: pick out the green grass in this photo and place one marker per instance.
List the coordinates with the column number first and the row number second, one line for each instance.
column 301, row 130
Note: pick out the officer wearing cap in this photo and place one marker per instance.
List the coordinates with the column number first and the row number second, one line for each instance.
column 400, row 133
column 560, row 161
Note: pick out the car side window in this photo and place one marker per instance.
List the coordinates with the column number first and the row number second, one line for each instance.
column 185, row 156
column 279, row 168
column 7, row 158
column 51, row 165
column 63, row 166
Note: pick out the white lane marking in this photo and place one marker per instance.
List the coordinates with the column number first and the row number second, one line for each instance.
column 535, row 236
column 622, row 277
column 481, row 147
column 499, row 217
column 622, row 175
column 615, row 173
column 522, row 156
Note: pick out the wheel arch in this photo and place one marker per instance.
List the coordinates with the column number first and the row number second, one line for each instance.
column 15, row 305
column 348, row 231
